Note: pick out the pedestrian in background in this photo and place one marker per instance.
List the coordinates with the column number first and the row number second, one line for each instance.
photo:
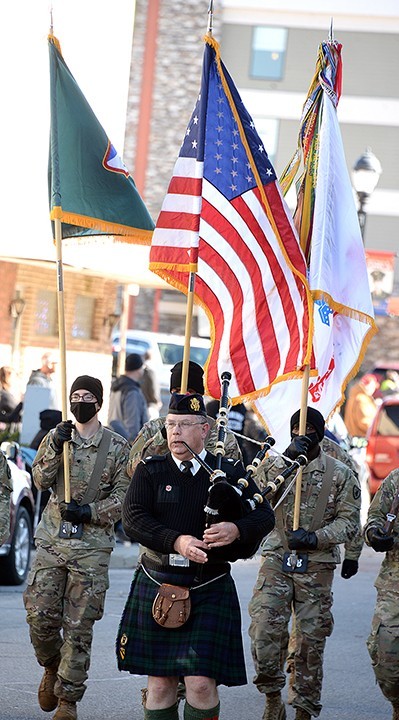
column 43, row 377
column 150, row 387
column 383, row 642
column 390, row 384
column 127, row 405
column 360, row 407
column 67, row 584
column 9, row 394
column 10, row 401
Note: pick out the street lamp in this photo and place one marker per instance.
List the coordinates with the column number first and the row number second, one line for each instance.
column 17, row 306
column 365, row 175
column 111, row 321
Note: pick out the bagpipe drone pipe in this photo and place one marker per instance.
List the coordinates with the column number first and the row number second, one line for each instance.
column 229, row 494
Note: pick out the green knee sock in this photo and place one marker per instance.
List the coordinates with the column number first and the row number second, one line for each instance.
column 191, row 713
column 169, row 713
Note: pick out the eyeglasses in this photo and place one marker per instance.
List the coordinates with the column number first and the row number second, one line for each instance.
column 87, row 397
column 171, row 424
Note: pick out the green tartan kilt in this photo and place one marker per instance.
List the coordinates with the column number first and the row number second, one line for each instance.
column 208, row 644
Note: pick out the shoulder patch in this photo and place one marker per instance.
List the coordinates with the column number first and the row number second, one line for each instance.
column 356, row 492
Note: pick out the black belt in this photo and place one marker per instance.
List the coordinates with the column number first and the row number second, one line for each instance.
column 157, row 561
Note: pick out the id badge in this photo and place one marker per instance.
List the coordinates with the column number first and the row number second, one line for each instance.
column 295, row 562
column 177, row 560
column 70, row 531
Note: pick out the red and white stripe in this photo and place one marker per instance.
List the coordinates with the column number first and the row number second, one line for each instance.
column 256, row 303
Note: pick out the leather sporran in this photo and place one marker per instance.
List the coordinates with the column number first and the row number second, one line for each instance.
column 172, row 605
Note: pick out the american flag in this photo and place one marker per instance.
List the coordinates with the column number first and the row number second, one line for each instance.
column 224, row 219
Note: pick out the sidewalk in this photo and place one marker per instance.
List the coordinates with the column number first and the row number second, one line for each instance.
column 124, row 556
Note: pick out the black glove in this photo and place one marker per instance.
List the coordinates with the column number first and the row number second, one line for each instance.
column 299, row 445
column 379, row 541
column 302, row 539
column 74, row 513
column 62, row 433
column 349, row 568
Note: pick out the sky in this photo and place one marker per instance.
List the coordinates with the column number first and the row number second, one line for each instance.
column 96, row 38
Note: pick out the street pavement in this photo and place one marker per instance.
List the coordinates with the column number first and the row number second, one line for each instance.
column 349, row 689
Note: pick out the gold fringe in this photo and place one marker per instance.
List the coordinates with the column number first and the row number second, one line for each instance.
column 344, row 309
column 126, row 234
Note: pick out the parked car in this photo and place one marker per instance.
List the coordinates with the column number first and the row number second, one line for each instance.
column 382, row 453
column 166, row 350
column 16, row 551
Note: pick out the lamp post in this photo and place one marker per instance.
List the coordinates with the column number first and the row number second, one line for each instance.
column 17, row 306
column 365, row 175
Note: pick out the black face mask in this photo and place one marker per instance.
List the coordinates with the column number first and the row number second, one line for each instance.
column 314, row 438
column 83, row 412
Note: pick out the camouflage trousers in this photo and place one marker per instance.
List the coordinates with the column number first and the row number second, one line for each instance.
column 276, row 595
column 64, row 597
column 383, row 644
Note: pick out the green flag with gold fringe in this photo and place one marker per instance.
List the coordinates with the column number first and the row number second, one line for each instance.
column 90, row 190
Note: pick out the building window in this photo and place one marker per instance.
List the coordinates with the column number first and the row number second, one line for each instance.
column 46, row 321
column 268, row 52
column 82, row 326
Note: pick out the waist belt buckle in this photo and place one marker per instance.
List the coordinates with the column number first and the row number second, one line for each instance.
column 177, row 560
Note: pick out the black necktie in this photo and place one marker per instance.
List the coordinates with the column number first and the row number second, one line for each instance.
column 186, row 466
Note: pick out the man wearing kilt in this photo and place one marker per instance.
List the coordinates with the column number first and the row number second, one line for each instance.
column 164, row 510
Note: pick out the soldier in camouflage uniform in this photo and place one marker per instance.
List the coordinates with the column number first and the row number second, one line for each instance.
column 383, row 642
column 350, row 564
column 307, row 593
column 68, row 581
column 151, row 439
column 5, row 494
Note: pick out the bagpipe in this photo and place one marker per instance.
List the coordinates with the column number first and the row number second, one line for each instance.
column 227, row 500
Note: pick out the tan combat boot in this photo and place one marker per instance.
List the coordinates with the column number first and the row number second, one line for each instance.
column 395, row 715
column 302, row 714
column 47, row 700
column 66, row 710
column 275, row 708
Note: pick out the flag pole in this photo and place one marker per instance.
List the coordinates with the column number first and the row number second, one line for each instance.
column 187, row 332
column 298, row 482
column 62, row 348
column 191, row 278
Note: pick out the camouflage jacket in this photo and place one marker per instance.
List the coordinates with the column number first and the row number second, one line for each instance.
column 341, row 520
column 353, row 547
column 107, row 506
column 5, row 494
column 388, row 577
column 150, row 441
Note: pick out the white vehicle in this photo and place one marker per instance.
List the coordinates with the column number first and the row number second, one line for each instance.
column 15, row 552
column 166, row 350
